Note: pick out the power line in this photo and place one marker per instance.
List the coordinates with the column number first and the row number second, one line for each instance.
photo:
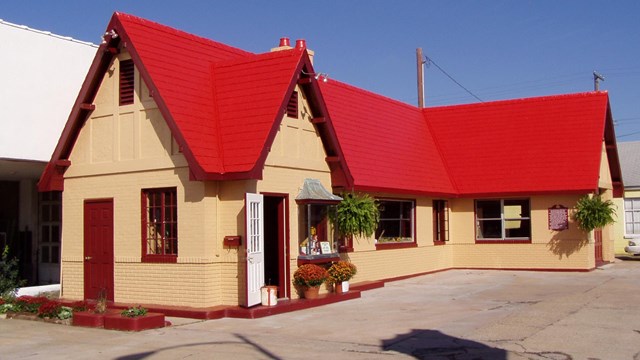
column 629, row 134
column 430, row 61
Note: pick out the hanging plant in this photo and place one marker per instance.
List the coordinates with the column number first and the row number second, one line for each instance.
column 592, row 213
column 356, row 214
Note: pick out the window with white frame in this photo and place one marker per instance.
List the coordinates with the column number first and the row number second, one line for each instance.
column 503, row 219
column 396, row 221
column 632, row 217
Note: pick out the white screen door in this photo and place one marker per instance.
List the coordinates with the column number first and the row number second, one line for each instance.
column 255, row 247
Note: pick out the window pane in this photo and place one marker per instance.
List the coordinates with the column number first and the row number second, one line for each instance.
column 517, row 228
column 55, row 233
column 55, row 254
column 489, row 229
column 487, row 209
column 514, row 209
column 407, row 210
column 636, row 228
column 45, row 234
column 46, row 213
column 629, row 228
column 388, row 229
column 44, row 254
column 390, row 209
column 55, row 212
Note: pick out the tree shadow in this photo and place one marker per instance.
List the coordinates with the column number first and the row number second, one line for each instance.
column 143, row 355
column 564, row 246
column 433, row 344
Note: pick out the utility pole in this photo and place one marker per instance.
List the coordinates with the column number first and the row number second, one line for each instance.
column 419, row 63
column 596, row 80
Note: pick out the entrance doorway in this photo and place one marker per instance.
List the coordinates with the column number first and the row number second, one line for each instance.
column 98, row 249
column 276, row 243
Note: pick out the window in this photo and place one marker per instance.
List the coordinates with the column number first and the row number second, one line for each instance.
column 396, row 222
column 292, row 106
column 316, row 232
column 632, row 217
column 50, row 220
column 503, row 220
column 440, row 221
column 127, row 76
column 160, row 225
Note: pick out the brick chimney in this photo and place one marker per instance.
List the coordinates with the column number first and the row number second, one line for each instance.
column 301, row 44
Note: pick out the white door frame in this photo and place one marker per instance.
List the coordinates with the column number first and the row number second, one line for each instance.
column 254, row 223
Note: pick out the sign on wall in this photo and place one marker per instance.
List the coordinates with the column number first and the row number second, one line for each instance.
column 558, row 218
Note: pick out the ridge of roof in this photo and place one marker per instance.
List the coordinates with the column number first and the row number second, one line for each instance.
column 48, row 33
column 362, row 91
column 518, row 100
column 180, row 33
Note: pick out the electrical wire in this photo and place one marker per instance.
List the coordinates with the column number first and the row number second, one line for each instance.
column 430, row 61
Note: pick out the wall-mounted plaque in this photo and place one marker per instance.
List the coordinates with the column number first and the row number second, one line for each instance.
column 558, row 218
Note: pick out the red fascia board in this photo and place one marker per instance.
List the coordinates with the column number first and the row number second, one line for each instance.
column 76, row 119
column 384, row 190
column 611, row 147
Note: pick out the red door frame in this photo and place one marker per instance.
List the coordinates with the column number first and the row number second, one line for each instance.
column 98, row 248
column 597, row 235
column 284, row 289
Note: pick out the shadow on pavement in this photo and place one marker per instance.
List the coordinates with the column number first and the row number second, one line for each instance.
column 266, row 354
column 432, row 344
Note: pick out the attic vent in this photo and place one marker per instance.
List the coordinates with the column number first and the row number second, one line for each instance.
column 126, row 82
column 292, row 106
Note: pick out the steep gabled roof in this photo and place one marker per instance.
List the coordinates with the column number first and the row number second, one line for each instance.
column 524, row 146
column 222, row 104
column 388, row 145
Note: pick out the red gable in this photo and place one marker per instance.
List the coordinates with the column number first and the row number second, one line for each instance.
column 223, row 106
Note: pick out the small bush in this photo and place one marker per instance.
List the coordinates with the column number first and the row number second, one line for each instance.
column 80, row 305
column 29, row 304
column 49, row 309
column 134, row 311
column 9, row 280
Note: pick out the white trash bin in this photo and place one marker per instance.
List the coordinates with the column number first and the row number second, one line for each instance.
column 269, row 295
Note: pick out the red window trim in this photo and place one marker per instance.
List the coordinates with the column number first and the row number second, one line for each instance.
column 407, row 244
column 396, row 245
column 503, row 241
column 498, row 240
column 153, row 258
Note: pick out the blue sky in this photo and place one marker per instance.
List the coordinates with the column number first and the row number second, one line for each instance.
column 495, row 49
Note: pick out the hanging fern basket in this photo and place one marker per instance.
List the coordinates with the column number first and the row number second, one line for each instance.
column 356, row 214
column 593, row 213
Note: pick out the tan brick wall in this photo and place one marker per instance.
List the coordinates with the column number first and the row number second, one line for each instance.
column 568, row 249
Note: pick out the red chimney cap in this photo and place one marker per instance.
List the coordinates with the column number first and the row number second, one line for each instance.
column 301, row 44
column 284, row 41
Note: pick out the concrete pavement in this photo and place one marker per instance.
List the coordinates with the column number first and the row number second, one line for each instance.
column 458, row 314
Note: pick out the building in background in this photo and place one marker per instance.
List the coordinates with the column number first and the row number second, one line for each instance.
column 41, row 74
column 628, row 207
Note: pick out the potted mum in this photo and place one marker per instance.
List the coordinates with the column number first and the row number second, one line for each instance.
column 340, row 273
column 308, row 278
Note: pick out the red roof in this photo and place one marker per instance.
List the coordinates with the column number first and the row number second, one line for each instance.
column 387, row 145
column 223, row 106
column 533, row 145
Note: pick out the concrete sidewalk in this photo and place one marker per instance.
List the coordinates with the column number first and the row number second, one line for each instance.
column 458, row 314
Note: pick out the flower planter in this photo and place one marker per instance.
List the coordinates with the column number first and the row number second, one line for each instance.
column 88, row 319
column 123, row 323
column 342, row 287
column 311, row 292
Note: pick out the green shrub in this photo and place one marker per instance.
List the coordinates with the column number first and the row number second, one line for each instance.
column 9, row 280
column 356, row 214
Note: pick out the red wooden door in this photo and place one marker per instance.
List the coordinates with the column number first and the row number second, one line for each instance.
column 597, row 234
column 98, row 249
